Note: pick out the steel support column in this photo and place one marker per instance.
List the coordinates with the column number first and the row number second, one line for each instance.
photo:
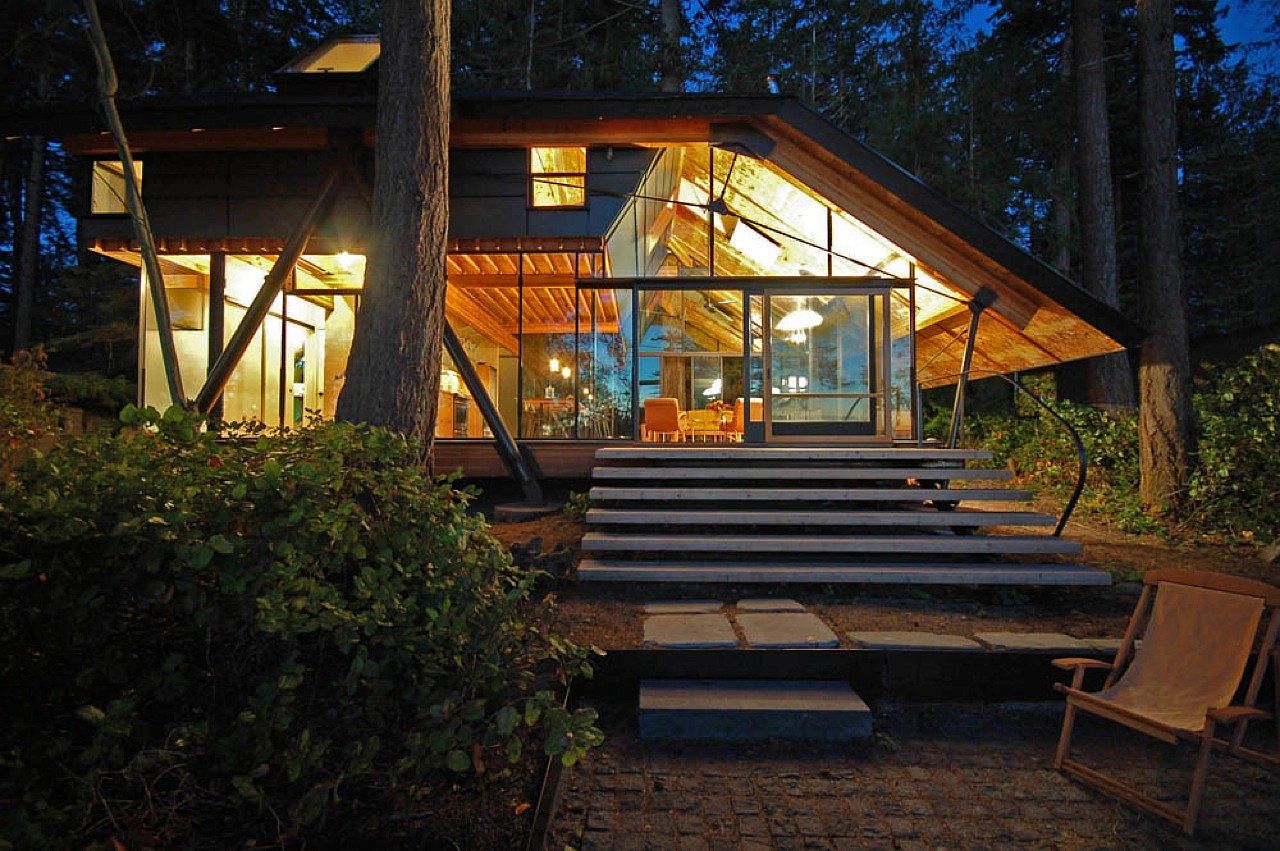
column 980, row 302
column 506, row 446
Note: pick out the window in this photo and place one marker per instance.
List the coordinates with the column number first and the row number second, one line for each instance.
column 558, row 177
column 107, row 194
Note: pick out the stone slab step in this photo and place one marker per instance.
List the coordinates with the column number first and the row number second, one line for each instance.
column 599, row 542
column 752, row 710
column 791, row 474
column 921, row 573
column 912, row 518
column 681, row 452
column 765, row 494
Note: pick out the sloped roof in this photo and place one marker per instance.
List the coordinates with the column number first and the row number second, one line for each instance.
column 1045, row 317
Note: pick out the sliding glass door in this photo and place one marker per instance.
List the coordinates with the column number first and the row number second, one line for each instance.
column 824, row 366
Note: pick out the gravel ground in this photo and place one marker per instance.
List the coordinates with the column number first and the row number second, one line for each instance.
column 943, row 776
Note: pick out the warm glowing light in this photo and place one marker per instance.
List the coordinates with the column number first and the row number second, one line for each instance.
column 759, row 248
column 800, row 320
column 797, row 337
column 346, row 260
column 554, row 364
column 565, row 372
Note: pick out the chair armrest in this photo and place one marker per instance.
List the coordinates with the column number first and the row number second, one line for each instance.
column 1234, row 714
column 1072, row 663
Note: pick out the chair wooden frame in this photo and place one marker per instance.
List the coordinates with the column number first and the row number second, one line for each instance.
column 1206, row 739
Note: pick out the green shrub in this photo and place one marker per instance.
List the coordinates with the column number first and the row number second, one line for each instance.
column 577, row 504
column 250, row 638
column 1234, row 488
column 1043, row 454
column 92, row 391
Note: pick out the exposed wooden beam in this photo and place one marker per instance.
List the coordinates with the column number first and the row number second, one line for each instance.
column 463, row 310
column 935, row 249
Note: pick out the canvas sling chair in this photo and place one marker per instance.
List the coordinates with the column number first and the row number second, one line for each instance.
column 1182, row 681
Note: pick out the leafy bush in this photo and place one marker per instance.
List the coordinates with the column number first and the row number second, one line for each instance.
column 251, row 638
column 1043, row 454
column 577, row 504
column 92, row 391
column 1234, row 489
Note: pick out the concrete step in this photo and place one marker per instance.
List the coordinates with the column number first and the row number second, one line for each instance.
column 791, row 474
column 765, row 494
column 599, row 542
column 752, row 710
column 693, row 452
column 920, row 518
column 906, row 573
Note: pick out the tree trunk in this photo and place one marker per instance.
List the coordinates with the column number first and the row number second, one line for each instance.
column 1110, row 384
column 1164, row 374
column 673, row 28
column 28, row 259
column 393, row 374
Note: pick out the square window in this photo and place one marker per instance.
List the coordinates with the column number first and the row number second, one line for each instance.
column 558, row 177
column 107, row 194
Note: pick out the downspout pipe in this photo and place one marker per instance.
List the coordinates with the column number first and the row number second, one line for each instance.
column 980, row 302
column 507, row 449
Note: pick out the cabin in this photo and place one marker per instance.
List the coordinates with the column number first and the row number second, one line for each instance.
column 684, row 273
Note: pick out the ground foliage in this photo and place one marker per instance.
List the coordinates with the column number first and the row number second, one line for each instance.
column 215, row 640
column 1232, row 491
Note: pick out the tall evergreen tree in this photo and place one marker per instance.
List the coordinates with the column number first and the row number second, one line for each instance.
column 393, row 373
column 1165, row 421
column 1110, row 384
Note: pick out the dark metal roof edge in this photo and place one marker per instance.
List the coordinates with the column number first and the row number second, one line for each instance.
column 963, row 224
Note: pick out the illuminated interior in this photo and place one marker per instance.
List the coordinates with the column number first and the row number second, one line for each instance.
column 107, row 191
column 296, row 362
column 557, row 177
column 723, row 284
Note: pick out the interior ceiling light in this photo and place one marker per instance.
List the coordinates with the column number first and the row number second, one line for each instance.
column 346, row 260
column 797, row 337
column 801, row 319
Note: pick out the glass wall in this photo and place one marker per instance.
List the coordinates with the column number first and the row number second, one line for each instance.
column 295, row 363
column 690, row 351
column 604, row 364
column 186, row 284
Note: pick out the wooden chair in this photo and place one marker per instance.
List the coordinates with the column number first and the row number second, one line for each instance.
column 1180, row 682
column 739, row 414
column 662, row 420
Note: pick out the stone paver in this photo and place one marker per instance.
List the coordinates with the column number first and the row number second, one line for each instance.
column 953, row 777
column 752, row 710
column 689, row 631
column 902, row 640
column 769, row 604
column 786, row 630
column 682, row 607
column 1047, row 642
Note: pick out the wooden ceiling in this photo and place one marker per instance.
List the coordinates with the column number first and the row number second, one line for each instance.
column 484, row 295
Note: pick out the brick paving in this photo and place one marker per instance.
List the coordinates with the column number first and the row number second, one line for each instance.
column 935, row 777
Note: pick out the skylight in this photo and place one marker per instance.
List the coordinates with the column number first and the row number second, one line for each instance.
column 351, row 54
